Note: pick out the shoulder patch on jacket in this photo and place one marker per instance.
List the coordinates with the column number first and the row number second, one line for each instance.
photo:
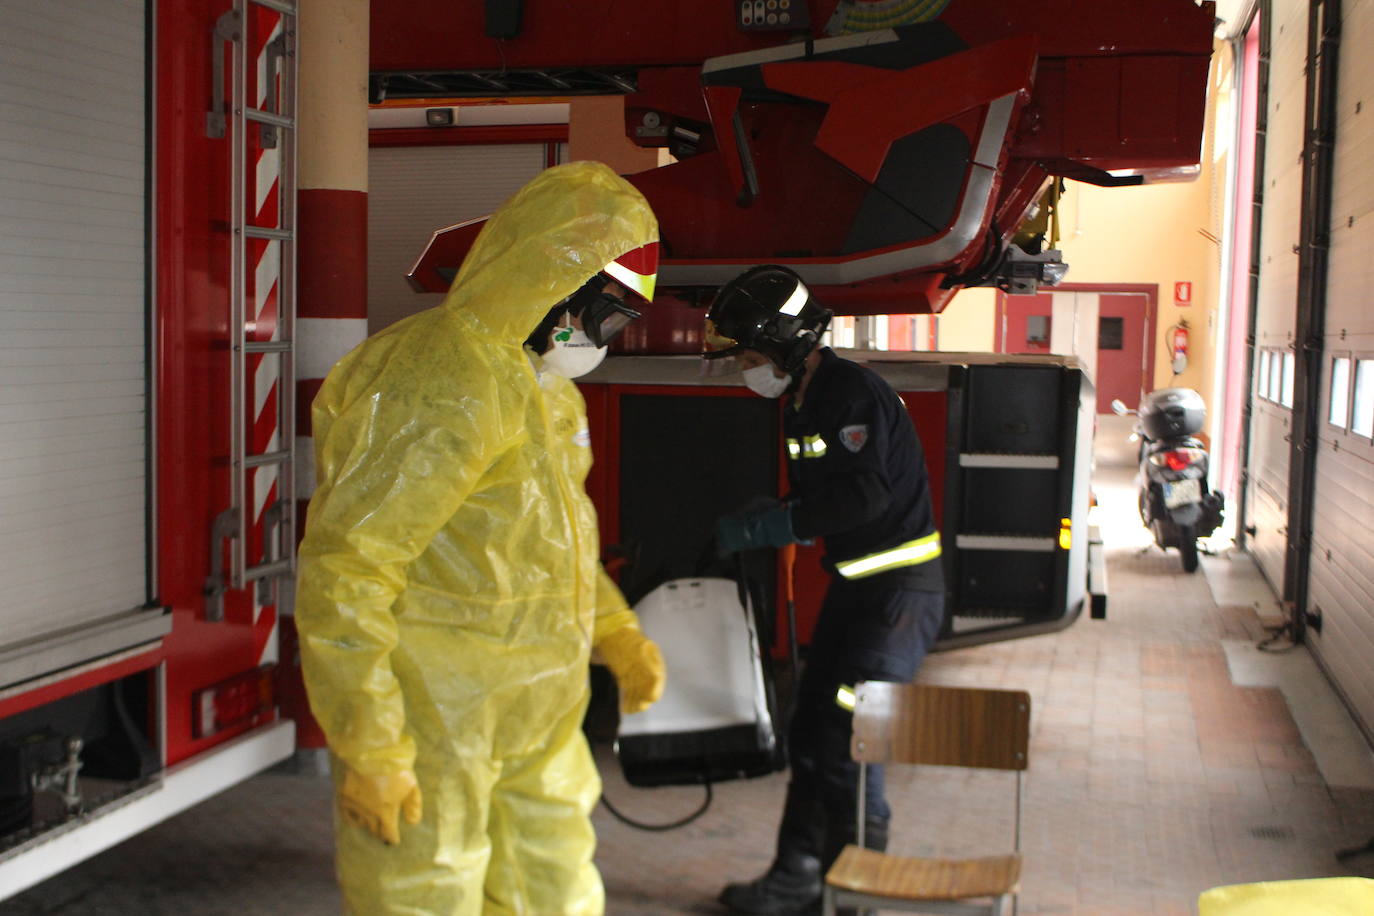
column 854, row 437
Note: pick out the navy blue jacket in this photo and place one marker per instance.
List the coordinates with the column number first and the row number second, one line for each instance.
column 858, row 473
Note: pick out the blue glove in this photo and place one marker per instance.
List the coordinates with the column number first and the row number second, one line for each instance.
column 754, row 529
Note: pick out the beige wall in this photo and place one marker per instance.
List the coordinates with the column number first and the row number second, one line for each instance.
column 596, row 131
column 1157, row 234
column 968, row 324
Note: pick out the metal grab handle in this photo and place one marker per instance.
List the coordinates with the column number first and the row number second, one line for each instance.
column 271, row 524
column 275, row 51
column 226, row 29
column 225, row 528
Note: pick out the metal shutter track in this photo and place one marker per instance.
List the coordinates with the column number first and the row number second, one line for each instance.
column 1278, row 285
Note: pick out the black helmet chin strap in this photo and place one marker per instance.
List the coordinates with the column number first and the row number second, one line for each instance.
column 538, row 341
column 594, row 306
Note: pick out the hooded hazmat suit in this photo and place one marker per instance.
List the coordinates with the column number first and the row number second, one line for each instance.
column 450, row 591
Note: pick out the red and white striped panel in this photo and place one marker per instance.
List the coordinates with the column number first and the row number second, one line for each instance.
column 263, row 306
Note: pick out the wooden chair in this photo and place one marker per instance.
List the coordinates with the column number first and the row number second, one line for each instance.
column 938, row 726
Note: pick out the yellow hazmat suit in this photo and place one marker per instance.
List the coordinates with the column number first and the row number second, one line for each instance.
column 450, row 591
column 1305, row 897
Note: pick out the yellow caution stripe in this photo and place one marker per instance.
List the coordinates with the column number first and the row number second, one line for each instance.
column 912, row 553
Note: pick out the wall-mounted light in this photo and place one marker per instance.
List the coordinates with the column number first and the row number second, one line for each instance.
column 439, row 117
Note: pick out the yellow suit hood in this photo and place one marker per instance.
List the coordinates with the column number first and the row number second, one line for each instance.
column 552, row 236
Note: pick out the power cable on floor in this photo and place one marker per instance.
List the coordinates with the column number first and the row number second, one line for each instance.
column 671, row 825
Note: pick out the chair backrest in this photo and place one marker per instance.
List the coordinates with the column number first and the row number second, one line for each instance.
column 941, row 726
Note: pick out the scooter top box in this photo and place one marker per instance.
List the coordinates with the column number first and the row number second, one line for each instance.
column 1171, row 412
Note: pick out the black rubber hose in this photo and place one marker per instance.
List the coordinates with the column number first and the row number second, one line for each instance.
column 671, row 825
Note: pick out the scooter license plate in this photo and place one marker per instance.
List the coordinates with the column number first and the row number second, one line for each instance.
column 1181, row 493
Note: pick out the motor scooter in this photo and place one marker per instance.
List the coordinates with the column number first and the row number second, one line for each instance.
column 1174, row 499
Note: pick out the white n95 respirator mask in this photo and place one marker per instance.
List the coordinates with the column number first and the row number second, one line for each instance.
column 571, row 352
column 763, row 381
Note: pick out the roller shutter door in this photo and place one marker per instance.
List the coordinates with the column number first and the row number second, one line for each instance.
column 413, row 190
column 74, row 414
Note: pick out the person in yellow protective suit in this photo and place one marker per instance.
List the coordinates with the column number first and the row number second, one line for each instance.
column 450, row 593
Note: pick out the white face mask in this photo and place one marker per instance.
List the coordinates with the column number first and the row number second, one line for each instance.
column 571, row 353
column 762, row 380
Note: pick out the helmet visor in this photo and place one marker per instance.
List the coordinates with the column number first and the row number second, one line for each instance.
column 717, row 344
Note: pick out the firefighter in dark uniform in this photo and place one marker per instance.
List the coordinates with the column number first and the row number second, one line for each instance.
column 858, row 479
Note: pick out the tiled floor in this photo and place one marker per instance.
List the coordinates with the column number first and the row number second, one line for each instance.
column 1154, row 775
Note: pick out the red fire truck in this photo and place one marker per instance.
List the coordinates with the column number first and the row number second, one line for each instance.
column 146, row 466
column 148, row 485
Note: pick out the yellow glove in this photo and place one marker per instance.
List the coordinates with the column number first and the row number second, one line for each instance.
column 376, row 804
column 637, row 664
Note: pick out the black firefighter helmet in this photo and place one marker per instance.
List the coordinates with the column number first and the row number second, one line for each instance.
column 767, row 309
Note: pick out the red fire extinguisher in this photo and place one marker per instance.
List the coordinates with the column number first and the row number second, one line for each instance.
column 1178, row 346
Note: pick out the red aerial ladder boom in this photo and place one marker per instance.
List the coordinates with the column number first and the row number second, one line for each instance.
column 889, row 166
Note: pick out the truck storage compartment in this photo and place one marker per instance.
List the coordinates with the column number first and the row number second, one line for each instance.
column 74, row 754
column 1012, row 500
column 1017, row 484
column 1007, row 441
column 1013, row 409
column 1004, row 583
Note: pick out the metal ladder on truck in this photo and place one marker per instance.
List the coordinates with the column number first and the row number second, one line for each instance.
column 259, row 524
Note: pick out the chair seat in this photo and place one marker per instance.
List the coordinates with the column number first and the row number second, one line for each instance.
column 867, row 871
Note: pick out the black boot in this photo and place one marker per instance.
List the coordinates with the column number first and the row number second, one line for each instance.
column 788, row 887
column 792, row 883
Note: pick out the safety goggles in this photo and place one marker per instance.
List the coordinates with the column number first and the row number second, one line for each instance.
column 603, row 317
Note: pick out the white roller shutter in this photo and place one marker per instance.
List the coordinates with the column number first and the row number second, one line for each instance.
column 1343, row 501
column 73, row 329
column 413, row 190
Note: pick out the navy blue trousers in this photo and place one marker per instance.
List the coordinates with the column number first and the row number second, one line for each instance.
column 868, row 630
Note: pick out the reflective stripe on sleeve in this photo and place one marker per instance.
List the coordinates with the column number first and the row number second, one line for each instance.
column 844, row 697
column 810, row 447
column 912, row 553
